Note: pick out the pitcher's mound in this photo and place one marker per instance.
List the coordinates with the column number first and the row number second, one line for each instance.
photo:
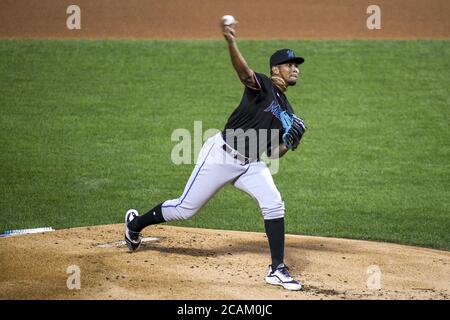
column 185, row 263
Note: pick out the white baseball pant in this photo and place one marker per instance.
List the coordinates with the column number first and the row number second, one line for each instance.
column 214, row 169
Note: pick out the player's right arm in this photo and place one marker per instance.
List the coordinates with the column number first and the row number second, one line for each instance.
column 246, row 75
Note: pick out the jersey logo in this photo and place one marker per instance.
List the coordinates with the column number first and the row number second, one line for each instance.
column 275, row 109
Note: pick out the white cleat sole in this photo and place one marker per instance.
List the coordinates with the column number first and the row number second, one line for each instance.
column 287, row 285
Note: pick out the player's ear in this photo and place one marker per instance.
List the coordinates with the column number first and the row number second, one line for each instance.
column 275, row 70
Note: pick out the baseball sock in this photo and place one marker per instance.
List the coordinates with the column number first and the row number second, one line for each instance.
column 275, row 235
column 154, row 216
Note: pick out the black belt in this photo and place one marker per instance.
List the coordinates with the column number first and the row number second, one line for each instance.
column 236, row 155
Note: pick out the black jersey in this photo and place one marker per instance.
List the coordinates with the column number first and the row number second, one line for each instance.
column 255, row 126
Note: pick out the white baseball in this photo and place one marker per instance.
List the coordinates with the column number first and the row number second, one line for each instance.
column 228, row 20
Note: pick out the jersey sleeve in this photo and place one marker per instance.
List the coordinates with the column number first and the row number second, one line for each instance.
column 261, row 83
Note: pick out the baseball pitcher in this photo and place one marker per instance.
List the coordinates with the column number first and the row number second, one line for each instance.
column 264, row 121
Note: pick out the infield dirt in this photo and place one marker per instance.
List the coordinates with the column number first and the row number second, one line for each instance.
column 199, row 19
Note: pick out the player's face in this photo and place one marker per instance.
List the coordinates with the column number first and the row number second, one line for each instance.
column 289, row 72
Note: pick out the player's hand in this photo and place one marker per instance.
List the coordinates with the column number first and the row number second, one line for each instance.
column 229, row 33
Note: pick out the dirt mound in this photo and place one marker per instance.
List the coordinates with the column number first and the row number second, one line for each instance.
column 187, row 263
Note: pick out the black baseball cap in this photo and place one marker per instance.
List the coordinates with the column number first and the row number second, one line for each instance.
column 284, row 56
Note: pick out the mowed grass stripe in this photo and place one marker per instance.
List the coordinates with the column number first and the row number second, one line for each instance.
column 86, row 134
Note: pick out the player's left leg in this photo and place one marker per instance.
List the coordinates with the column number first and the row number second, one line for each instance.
column 214, row 169
column 259, row 184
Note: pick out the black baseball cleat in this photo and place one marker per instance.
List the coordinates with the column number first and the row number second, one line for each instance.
column 132, row 238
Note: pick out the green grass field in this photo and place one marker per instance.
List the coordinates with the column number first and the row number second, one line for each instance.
column 86, row 134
